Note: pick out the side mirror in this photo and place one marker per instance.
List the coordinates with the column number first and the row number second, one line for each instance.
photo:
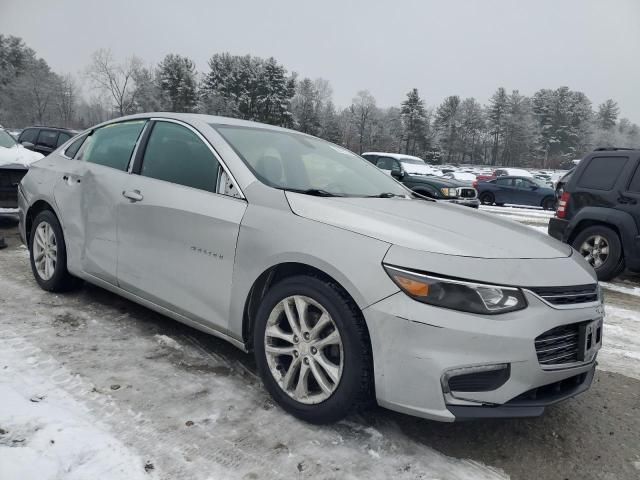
column 28, row 145
column 397, row 174
column 534, row 187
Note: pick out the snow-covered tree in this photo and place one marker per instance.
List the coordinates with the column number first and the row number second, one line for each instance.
column 414, row 121
column 177, row 82
column 607, row 114
column 447, row 123
column 362, row 110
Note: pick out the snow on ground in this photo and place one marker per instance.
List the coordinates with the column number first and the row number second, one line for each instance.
column 47, row 434
column 192, row 411
column 620, row 352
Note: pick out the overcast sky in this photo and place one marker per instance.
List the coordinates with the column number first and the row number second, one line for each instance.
column 445, row 47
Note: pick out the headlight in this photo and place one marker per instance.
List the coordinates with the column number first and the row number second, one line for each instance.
column 457, row 294
column 449, row 192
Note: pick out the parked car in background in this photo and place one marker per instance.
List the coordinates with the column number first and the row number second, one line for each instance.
column 347, row 289
column 14, row 132
column 461, row 176
column 516, row 191
column 406, row 163
column 14, row 164
column 512, row 172
column 415, row 176
column 44, row 140
column 599, row 211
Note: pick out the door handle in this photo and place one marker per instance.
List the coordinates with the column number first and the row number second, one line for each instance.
column 133, row 195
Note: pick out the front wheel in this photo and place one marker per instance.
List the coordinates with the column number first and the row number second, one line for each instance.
column 312, row 349
column 487, row 198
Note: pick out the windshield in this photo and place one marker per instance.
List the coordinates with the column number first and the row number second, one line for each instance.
column 6, row 140
column 412, row 161
column 298, row 162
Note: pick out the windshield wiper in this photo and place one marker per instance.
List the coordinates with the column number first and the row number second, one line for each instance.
column 386, row 195
column 317, row 192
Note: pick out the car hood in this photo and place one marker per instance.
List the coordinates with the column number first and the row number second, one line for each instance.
column 18, row 155
column 429, row 226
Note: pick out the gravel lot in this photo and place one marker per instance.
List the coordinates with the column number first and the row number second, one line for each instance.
column 187, row 405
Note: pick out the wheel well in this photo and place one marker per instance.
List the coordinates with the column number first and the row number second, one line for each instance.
column 591, row 223
column 264, row 282
column 33, row 211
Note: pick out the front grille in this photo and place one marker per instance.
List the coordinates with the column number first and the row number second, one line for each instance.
column 466, row 192
column 568, row 295
column 559, row 345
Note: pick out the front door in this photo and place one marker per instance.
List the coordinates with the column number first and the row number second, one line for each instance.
column 177, row 235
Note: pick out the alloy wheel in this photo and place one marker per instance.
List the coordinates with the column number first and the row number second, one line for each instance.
column 45, row 251
column 304, row 349
column 595, row 250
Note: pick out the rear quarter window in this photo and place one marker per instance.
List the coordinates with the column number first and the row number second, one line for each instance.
column 602, row 173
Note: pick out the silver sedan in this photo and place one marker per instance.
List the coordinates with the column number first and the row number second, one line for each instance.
column 347, row 288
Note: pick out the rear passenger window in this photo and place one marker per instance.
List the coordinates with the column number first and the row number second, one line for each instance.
column 29, row 135
column 74, row 147
column 634, row 186
column 602, row 173
column 112, row 145
column 48, row 138
column 63, row 137
column 175, row 154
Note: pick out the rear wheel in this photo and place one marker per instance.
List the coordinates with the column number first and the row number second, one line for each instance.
column 601, row 247
column 549, row 203
column 312, row 350
column 48, row 254
column 487, row 198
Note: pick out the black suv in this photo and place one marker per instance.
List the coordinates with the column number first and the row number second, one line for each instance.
column 599, row 211
column 44, row 140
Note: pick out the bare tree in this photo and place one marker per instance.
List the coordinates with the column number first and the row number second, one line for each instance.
column 66, row 98
column 114, row 78
column 362, row 110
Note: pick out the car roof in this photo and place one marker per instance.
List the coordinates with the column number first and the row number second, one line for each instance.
column 397, row 156
column 199, row 117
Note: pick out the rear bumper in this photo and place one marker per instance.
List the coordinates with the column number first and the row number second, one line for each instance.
column 559, row 229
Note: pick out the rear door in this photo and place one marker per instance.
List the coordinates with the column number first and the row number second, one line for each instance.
column 106, row 155
column 177, row 234
column 629, row 200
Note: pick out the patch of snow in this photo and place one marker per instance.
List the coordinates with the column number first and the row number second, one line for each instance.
column 46, row 434
column 621, row 288
column 167, row 342
column 620, row 351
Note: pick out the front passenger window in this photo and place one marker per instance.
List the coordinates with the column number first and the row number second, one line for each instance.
column 175, row 154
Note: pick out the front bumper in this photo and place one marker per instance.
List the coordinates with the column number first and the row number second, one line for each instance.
column 467, row 202
column 22, row 212
column 415, row 344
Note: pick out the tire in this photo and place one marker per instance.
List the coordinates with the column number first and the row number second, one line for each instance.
column 353, row 389
column 612, row 262
column 487, row 198
column 548, row 203
column 53, row 277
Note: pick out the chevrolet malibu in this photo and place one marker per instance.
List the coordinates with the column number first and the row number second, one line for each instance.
column 346, row 287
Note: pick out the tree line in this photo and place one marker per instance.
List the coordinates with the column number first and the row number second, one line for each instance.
column 547, row 129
